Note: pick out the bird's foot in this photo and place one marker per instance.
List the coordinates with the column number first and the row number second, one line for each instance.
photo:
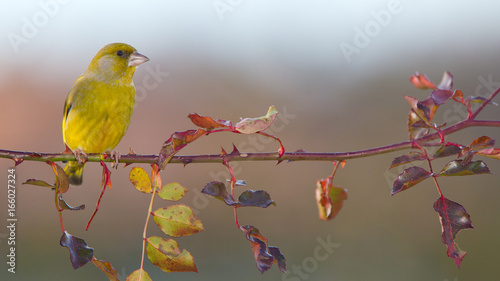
column 80, row 156
column 116, row 156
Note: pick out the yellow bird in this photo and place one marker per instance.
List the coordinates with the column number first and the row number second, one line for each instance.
column 98, row 108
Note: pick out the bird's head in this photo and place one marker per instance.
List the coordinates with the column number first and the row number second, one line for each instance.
column 115, row 62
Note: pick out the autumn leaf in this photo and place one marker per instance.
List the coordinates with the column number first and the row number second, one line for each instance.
column 447, row 150
column 62, row 183
column 279, row 259
column 176, row 142
column 181, row 139
column 177, row 220
column 422, row 111
column 139, row 275
column 155, row 177
column 79, row 253
column 140, row 179
column 446, row 81
column 264, row 255
column 166, row 255
column 420, row 116
column 208, row 122
column 107, row 268
column 254, row 125
column 421, row 81
column 329, row 198
column 457, row 168
column 479, row 99
column 409, row 178
column 259, row 198
column 490, row 152
column 38, row 183
column 453, row 218
column 218, row 190
column 482, row 143
column 173, row 191
column 407, row 158
column 441, row 96
column 248, row 198
column 64, row 206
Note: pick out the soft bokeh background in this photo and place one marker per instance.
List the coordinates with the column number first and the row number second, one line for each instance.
column 232, row 59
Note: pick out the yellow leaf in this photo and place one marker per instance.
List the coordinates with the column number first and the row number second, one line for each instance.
column 168, row 257
column 134, row 276
column 172, row 191
column 140, row 180
column 177, row 220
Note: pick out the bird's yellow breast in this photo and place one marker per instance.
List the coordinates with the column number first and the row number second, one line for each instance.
column 97, row 115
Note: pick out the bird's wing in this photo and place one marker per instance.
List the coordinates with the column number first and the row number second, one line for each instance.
column 68, row 104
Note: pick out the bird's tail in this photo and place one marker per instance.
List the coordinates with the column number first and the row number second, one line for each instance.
column 74, row 172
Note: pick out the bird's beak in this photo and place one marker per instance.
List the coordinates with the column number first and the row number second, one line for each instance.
column 135, row 59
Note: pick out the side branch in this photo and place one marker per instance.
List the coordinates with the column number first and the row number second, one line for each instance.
column 19, row 156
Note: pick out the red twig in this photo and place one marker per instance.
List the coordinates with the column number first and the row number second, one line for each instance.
column 105, row 182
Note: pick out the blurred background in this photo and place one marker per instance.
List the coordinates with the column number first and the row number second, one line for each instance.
column 337, row 72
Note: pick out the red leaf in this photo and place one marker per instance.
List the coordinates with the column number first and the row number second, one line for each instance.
column 490, row 152
column 181, row 139
column 176, row 142
column 453, row 218
column 421, row 81
column 409, row 178
column 208, row 122
column 441, row 96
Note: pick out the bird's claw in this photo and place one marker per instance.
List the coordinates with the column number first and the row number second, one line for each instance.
column 116, row 156
column 80, row 156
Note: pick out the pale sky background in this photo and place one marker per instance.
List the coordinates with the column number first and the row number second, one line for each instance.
column 235, row 63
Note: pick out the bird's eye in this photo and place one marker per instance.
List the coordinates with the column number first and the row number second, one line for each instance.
column 120, row 53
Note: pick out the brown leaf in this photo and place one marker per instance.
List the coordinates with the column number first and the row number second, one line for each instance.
column 407, row 158
column 264, row 255
column 107, row 268
column 453, row 218
column 409, row 178
column 329, row 198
